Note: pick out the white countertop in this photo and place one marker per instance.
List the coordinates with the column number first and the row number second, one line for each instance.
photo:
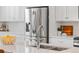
column 72, row 50
column 40, row 50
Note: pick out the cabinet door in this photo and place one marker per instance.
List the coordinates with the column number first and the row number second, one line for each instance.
column 6, row 13
column 3, row 13
column 72, row 13
column 60, row 13
column 19, row 13
column 11, row 13
column 16, row 13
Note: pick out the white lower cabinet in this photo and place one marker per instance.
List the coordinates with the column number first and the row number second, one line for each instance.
column 61, row 42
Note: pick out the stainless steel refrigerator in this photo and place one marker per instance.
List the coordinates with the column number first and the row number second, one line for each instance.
column 38, row 24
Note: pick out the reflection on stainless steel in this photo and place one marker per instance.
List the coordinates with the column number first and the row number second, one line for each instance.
column 38, row 25
column 27, row 27
column 38, row 36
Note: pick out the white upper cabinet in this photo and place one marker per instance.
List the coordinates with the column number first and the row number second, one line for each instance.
column 66, row 13
column 72, row 13
column 11, row 13
column 60, row 12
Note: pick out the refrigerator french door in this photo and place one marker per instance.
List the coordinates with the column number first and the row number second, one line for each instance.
column 38, row 25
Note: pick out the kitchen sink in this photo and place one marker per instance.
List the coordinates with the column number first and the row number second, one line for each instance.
column 53, row 48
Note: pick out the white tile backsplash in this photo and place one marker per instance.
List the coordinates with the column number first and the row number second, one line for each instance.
column 18, row 28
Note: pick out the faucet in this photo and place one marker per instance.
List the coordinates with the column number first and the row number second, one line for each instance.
column 38, row 35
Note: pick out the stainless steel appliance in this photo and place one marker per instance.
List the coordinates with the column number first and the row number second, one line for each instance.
column 76, row 42
column 38, row 18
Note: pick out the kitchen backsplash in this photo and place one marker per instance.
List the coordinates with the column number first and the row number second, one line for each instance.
column 14, row 27
column 4, row 27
